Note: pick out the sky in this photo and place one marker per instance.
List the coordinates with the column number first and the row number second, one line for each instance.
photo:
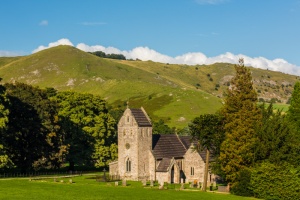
column 266, row 33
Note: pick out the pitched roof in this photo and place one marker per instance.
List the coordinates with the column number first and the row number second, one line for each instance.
column 172, row 145
column 163, row 165
column 168, row 146
column 140, row 117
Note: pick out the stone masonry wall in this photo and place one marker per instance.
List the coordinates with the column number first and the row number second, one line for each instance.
column 193, row 159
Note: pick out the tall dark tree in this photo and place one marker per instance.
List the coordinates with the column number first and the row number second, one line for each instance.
column 294, row 108
column 278, row 141
column 32, row 135
column 208, row 133
column 4, row 111
column 88, row 128
column 241, row 115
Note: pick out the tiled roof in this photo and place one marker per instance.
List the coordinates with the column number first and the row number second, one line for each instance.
column 140, row 117
column 163, row 165
column 167, row 146
column 172, row 145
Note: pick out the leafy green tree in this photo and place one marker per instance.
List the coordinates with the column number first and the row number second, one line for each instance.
column 207, row 131
column 241, row 115
column 161, row 128
column 32, row 137
column 88, row 128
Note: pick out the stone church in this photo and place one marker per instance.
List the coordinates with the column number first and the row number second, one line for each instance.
column 162, row 158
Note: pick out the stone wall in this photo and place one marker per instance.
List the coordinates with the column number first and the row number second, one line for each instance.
column 162, row 177
column 127, row 146
column 113, row 168
column 192, row 159
column 134, row 143
column 144, row 146
column 152, row 167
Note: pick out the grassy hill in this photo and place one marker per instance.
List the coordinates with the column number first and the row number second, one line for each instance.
column 175, row 93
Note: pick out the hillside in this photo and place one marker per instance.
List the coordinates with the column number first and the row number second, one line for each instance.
column 175, row 93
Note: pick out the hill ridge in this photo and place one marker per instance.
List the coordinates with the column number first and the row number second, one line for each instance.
column 173, row 92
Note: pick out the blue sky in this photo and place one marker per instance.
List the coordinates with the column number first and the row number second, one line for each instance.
column 265, row 32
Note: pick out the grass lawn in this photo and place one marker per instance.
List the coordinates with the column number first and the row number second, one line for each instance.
column 85, row 187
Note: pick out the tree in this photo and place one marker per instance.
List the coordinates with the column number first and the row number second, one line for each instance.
column 241, row 115
column 161, row 128
column 294, row 108
column 207, row 132
column 88, row 128
column 4, row 158
column 32, row 137
column 278, row 141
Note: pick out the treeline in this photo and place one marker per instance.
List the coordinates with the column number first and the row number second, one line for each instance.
column 111, row 56
column 256, row 150
column 43, row 128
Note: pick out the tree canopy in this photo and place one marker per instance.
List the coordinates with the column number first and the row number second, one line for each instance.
column 241, row 115
column 32, row 138
column 88, row 128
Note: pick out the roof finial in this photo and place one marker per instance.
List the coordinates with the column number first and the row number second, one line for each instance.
column 127, row 103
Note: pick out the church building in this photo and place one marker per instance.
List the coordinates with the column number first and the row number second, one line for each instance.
column 158, row 157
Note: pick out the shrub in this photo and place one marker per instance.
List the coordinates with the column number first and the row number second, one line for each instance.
column 243, row 187
column 269, row 181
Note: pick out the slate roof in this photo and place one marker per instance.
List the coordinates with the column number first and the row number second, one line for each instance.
column 140, row 117
column 172, row 145
column 168, row 146
column 163, row 165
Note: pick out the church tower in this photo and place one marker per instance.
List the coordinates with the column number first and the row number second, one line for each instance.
column 134, row 144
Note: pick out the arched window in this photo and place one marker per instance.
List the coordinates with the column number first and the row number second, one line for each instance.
column 128, row 119
column 128, row 165
column 192, row 171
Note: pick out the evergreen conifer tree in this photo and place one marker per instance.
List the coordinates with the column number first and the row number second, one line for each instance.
column 241, row 115
column 294, row 109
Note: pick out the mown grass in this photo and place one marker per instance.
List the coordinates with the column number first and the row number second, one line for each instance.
column 86, row 187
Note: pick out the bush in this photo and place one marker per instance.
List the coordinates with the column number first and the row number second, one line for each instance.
column 243, row 187
column 269, row 181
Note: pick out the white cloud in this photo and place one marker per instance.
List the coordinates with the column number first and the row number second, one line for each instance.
column 9, row 53
column 43, row 23
column 191, row 58
column 63, row 41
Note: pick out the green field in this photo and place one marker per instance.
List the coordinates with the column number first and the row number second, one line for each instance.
column 86, row 187
column 175, row 93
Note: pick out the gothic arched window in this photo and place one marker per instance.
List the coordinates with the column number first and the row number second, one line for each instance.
column 128, row 165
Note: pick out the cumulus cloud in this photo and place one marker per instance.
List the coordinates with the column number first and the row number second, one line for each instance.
column 43, row 23
column 191, row 58
column 63, row 41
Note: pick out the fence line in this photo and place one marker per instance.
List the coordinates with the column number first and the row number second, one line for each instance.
column 33, row 174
